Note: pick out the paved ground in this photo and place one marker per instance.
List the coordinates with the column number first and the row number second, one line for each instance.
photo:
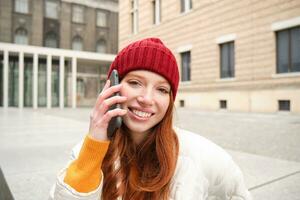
column 34, row 145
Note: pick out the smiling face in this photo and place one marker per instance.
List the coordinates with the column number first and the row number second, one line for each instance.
column 148, row 98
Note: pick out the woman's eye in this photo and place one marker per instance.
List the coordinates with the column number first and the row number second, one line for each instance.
column 163, row 90
column 133, row 83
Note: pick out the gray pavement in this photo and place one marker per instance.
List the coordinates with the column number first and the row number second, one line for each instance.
column 35, row 145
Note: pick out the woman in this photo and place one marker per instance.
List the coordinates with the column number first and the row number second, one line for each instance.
column 146, row 158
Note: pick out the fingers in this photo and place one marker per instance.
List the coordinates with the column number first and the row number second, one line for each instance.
column 113, row 113
column 107, row 93
column 107, row 84
column 107, row 103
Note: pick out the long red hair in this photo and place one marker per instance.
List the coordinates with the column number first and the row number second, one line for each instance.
column 142, row 171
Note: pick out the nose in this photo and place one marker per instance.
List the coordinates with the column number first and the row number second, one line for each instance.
column 146, row 98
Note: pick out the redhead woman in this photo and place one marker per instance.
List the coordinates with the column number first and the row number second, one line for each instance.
column 147, row 158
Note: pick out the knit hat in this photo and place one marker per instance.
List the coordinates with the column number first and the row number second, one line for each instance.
column 148, row 54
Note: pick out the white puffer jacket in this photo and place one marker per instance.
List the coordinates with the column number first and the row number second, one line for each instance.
column 204, row 171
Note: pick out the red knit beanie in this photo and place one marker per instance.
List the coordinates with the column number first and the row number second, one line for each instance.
column 148, row 54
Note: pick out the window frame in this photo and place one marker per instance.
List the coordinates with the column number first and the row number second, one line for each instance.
column 97, row 18
column 290, row 67
column 51, row 16
column 105, row 45
column 49, row 35
column 185, row 72
column 25, row 36
column 284, row 105
column 186, row 6
column 156, row 11
column 134, row 13
column 75, row 16
column 230, row 73
column 74, row 40
column 18, row 6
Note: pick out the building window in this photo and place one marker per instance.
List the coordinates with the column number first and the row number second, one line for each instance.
column 80, row 87
column 227, row 60
column 51, row 8
column 156, row 4
column 186, row 66
column 77, row 43
column 223, row 104
column 284, row 105
column 134, row 16
column 101, row 19
column 181, row 103
column 101, row 46
column 185, row 5
column 21, row 36
column 288, row 50
column 21, row 6
column 51, row 40
column 78, row 14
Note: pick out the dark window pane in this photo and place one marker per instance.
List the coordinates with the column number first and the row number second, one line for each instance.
column 42, row 83
column 282, row 51
column 28, row 82
column 223, row 104
column 1, row 80
column 295, row 48
column 224, row 61
column 132, row 22
column 51, row 40
column 182, row 5
column 284, row 105
column 185, row 66
column 13, row 81
column 153, row 9
column 231, row 60
column 227, row 60
column 55, row 83
column 181, row 103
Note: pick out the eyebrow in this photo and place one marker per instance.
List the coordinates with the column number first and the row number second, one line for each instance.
column 142, row 77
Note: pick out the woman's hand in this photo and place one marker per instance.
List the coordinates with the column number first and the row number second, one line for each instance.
column 101, row 115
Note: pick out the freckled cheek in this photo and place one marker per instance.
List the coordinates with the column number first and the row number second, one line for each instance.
column 124, row 90
column 164, row 104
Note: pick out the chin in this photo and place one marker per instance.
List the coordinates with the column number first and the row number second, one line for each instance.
column 138, row 128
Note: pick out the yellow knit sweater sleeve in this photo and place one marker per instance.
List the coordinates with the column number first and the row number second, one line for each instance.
column 84, row 173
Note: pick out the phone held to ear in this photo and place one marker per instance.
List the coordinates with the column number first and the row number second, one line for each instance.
column 115, row 122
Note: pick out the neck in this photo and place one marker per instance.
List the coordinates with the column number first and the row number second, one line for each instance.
column 138, row 137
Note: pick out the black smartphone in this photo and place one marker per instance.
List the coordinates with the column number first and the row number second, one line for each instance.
column 115, row 122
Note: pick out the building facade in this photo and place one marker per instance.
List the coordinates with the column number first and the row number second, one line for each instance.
column 67, row 45
column 232, row 55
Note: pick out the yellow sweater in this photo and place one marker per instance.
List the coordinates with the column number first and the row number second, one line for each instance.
column 84, row 173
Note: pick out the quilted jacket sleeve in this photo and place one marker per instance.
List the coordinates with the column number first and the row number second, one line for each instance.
column 234, row 183
column 206, row 171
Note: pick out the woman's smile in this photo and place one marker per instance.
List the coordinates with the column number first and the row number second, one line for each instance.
column 139, row 114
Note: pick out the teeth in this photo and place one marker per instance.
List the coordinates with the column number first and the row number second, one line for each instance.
column 141, row 114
